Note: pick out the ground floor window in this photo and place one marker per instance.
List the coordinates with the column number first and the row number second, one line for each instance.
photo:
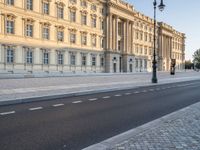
column 72, row 59
column 93, row 60
column 45, row 58
column 84, row 60
column 29, row 56
column 60, row 58
column 10, row 54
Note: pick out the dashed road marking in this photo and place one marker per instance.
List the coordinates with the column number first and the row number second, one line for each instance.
column 127, row 93
column 7, row 113
column 35, row 108
column 151, row 90
column 144, row 91
column 106, row 97
column 118, row 95
column 93, row 99
column 76, row 102
column 136, row 92
column 157, row 89
column 58, row 105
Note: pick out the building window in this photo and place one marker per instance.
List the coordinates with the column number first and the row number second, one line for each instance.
column 45, row 58
column 10, row 2
column 119, row 45
column 102, row 24
column 46, row 8
column 94, row 22
column 102, row 61
column 84, row 19
column 84, row 4
column 60, row 36
column 10, row 26
column 29, row 30
column 93, row 60
column 29, row 56
column 72, row 16
column 72, row 59
column 45, row 33
column 93, row 7
column 136, row 63
column 29, row 4
column 94, row 41
column 10, row 55
column 84, row 60
column 84, row 39
column 120, row 28
column 60, row 58
column 72, row 38
column 60, row 13
column 102, row 42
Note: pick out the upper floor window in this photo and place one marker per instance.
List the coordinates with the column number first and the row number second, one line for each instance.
column 94, row 41
column 29, row 30
column 60, row 36
column 10, row 54
column 84, row 3
column 10, row 2
column 84, row 19
column 60, row 12
column 29, row 4
column 45, row 32
column 84, row 39
column 94, row 22
column 93, row 7
column 72, row 38
column 10, row 26
column 73, row 16
column 46, row 8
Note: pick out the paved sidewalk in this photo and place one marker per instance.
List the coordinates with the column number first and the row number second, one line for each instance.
column 177, row 131
column 30, row 89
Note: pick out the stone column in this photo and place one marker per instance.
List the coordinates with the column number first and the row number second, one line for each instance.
column 127, row 36
column 131, row 38
column 110, row 31
column 116, row 33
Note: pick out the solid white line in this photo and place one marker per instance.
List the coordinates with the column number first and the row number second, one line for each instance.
column 35, row 108
column 93, row 99
column 7, row 113
column 127, row 93
column 118, row 95
column 58, row 105
column 76, row 102
column 106, row 97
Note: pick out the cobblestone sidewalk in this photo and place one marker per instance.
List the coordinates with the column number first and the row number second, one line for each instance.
column 177, row 131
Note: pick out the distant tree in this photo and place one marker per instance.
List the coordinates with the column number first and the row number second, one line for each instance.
column 189, row 65
column 196, row 59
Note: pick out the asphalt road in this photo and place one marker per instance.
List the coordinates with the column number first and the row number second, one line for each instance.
column 77, row 122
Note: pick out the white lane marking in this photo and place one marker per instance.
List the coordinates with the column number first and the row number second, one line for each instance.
column 35, row 108
column 93, row 99
column 7, row 113
column 127, row 93
column 163, row 88
column 136, row 92
column 151, row 90
column 157, row 89
column 106, row 97
column 144, row 91
column 57, row 105
column 76, row 102
column 118, row 95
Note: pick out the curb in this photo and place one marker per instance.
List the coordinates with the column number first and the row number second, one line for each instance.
column 82, row 93
column 113, row 141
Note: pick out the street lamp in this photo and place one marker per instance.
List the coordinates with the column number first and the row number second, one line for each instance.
column 161, row 8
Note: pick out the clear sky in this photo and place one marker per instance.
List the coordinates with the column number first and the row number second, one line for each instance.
column 183, row 15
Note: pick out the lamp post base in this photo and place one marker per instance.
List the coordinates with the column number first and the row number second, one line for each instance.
column 154, row 80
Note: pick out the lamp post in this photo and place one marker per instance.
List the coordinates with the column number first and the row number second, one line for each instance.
column 161, row 8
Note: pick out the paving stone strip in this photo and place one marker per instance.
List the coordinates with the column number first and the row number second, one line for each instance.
column 177, row 131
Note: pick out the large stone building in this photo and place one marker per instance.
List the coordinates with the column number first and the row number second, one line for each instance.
column 82, row 36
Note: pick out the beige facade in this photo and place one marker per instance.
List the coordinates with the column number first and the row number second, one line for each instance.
column 79, row 36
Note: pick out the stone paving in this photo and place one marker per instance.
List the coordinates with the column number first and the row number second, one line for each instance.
column 177, row 131
column 15, row 90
